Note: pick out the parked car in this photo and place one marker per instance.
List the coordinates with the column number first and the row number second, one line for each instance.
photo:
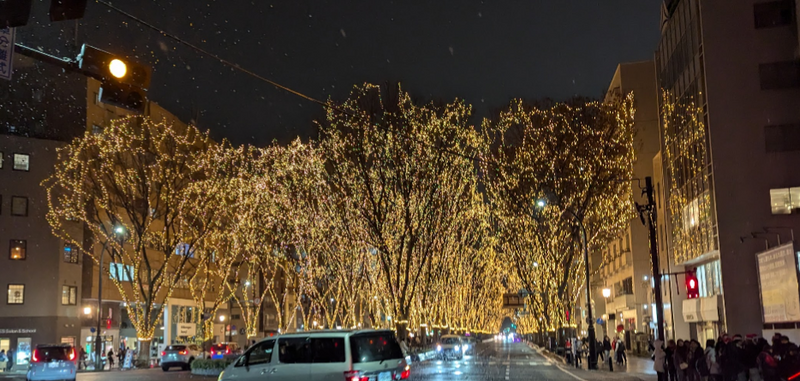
column 180, row 355
column 373, row 355
column 450, row 347
column 225, row 350
column 53, row 362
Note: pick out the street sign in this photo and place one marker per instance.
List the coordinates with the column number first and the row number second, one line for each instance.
column 92, row 330
column 599, row 320
column 6, row 52
column 187, row 329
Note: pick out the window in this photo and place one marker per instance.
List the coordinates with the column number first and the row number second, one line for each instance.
column 236, row 317
column 70, row 253
column 785, row 200
column 96, row 129
column 779, row 75
column 19, row 206
column 295, row 350
column 261, row 353
column 782, row 138
column 17, row 250
column 374, row 346
column 773, row 13
column 21, row 162
column 327, row 349
column 120, row 272
column 16, row 294
column 69, row 295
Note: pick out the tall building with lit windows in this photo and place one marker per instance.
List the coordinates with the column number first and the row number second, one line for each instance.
column 623, row 266
column 729, row 77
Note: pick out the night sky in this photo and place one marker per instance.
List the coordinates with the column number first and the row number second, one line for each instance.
column 484, row 52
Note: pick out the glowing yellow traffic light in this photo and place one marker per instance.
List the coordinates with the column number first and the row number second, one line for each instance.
column 117, row 68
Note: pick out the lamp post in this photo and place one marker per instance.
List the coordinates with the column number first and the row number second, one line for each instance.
column 606, row 295
column 98, row 352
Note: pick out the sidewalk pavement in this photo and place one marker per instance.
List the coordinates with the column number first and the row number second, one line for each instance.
column 637, row 367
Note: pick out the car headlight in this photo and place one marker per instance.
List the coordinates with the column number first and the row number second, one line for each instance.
column 466, row 346
column 438, row 348
column 220, row 375
column 457, row 348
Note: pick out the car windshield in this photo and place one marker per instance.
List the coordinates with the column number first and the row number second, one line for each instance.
column 176, row 347
column 451, row 340
column 375, row 347
column 48, row 354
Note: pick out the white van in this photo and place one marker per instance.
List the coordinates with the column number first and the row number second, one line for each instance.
column 363, row 355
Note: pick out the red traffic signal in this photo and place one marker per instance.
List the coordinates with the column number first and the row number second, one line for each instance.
column 692, row 286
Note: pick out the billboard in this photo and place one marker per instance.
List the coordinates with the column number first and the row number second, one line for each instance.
column 777, row 279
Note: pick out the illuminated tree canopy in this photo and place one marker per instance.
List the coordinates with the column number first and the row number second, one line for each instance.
column 401, row 215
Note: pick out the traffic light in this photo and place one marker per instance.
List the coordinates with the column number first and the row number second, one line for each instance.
column 14, row 13
column 692, row 287
column 67, row 9
column 124, row 82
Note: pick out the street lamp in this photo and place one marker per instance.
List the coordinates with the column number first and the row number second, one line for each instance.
column 221, row 318
column 119, row 230
column 606, row 292
column 87, row 310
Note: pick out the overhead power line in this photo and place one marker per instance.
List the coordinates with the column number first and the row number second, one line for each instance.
column 253, row 74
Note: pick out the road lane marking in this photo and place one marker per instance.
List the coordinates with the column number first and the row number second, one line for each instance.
column 532, row 363
column 569, row 373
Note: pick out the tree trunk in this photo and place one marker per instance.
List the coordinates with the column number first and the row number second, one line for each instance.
column 143, row 358
column 402, row 330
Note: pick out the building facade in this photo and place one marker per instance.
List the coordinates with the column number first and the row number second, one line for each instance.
column 40, row 273
column 729, row 77
column 625, row 273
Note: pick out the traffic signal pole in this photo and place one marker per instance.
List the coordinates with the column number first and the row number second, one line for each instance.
column 648, row 215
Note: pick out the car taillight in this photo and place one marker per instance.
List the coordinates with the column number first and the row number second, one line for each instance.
column 35, row 355
column 354, row 375
column 163, row 353
column 184, row 352
column 71, row 354
column 406, row 373
column 212, row 352
column 227, row 351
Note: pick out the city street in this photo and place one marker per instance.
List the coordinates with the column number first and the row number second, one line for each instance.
column 506, row 361
column 491, row 362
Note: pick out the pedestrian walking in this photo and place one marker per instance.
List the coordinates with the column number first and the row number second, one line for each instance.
column 710, row 354
column 681, row 360
column 660, row 360
column 697, row 362
column 82, row 358
column 607, row 353
column 622, row 357
column 11, row 360
column 110, row 357
column 672, row 370
column 749, row 356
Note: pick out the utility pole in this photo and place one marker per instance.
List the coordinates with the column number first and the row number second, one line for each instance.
column 647, row 213
column 98, row 351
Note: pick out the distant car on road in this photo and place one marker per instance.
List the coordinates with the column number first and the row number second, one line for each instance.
column 53, row 362
column 449, row 347
column 225, row 350
column 469, row 345
column 180, row 355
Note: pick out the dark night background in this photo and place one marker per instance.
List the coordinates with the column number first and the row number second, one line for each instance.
column 484, row 52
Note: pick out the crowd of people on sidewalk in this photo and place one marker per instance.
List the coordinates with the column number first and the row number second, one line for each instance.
column 728, row 359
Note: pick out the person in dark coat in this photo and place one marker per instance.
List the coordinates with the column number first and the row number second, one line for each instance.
column 607, row 352
column 731, row 360
column 681, row 359
column 789, row 364
column 749, row 356
column 670, row 361
column 768, row 365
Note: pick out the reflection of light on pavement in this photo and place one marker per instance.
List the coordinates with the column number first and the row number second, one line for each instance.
column 458, row 365
column 439, row 362
column 457, row 373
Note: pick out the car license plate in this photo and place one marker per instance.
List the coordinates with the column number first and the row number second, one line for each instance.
column 385, row 376
column 54, row 365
